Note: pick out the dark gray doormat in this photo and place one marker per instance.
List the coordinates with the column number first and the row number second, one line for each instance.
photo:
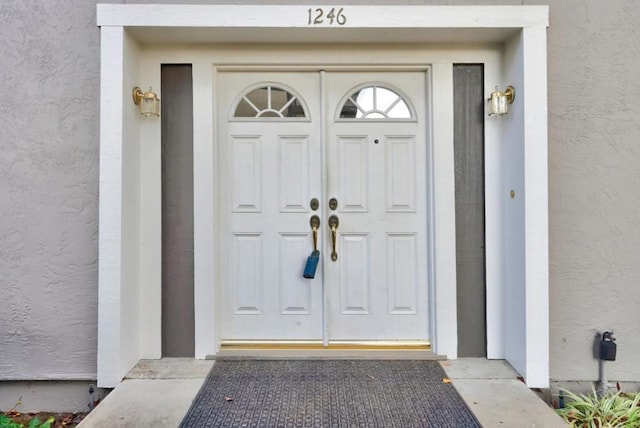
column 328, row 393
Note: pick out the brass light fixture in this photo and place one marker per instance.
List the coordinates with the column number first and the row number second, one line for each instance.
column 498, row 102
column 148, row 102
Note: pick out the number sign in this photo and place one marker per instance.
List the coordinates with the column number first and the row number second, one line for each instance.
column 322, row 16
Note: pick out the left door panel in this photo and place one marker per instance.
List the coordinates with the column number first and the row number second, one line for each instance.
column 269, row 157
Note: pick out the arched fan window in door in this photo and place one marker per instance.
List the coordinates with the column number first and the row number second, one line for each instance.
column 375, row 101
column 269, row 101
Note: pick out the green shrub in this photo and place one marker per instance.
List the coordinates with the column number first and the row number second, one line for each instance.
column 619, row 410
column 7, row 422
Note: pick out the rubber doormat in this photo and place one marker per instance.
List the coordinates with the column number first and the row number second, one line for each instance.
column 328, row 393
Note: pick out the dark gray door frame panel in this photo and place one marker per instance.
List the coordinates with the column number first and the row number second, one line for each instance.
column 178, row 320
column 468, row 100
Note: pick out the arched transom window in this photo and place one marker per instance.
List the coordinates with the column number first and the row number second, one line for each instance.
column 375, row 101
column 269, row 101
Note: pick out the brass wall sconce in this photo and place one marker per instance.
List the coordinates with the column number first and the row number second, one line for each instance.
column 148, row 102
column 498, row 102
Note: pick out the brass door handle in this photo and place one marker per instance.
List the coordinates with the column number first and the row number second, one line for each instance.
column 314, row 222
column 312, row 261
column 333, row 225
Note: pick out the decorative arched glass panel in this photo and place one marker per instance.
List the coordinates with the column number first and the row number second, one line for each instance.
column 270, row 101
column 377, row 102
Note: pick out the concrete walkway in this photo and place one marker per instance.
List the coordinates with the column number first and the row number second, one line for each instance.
column 497, row 397
column 158, row 393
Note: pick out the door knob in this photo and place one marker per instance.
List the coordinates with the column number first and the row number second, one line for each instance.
column 333, row 204
column 333, row 225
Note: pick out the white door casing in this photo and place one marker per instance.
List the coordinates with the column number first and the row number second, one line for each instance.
column 271, row 167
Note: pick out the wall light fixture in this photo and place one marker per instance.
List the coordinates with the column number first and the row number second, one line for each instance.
column 148, row 102
column 499, row 101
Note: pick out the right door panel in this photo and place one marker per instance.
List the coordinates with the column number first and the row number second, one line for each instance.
column 377, row 286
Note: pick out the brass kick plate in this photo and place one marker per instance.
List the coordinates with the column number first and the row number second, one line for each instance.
column 413, row 345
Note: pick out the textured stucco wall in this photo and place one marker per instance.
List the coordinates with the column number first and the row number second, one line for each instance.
column 48, row 189
column 594, row 184
column 49, row 54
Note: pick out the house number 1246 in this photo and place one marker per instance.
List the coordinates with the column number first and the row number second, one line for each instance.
column 321, row 16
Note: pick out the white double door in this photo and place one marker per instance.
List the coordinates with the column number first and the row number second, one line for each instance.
column 327, row 148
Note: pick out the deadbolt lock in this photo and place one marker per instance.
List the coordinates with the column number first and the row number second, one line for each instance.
column 314, row 204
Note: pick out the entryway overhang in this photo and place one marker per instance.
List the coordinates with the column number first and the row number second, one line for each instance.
column 515, row 167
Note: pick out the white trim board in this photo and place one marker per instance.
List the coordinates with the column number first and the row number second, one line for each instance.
column 292, row 16
column 286, row 23
column 521, row 135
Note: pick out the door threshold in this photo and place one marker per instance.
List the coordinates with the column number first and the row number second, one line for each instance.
column 423, row 345
column 409, row 350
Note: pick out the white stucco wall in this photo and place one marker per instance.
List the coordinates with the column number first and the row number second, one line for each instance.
column 49, row 180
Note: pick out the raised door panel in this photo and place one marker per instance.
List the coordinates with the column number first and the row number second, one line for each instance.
column 400, row 171
column 354, row 276
column 294, row 172
column 353, row 158
column 247, row 273
column 246, row 179
column 295, row 294
column 402, row 280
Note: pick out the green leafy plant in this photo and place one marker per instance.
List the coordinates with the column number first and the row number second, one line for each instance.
column 7, row 422
column 619, row 410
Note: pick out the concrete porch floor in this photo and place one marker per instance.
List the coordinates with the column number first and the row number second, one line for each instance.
column 158, row 393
